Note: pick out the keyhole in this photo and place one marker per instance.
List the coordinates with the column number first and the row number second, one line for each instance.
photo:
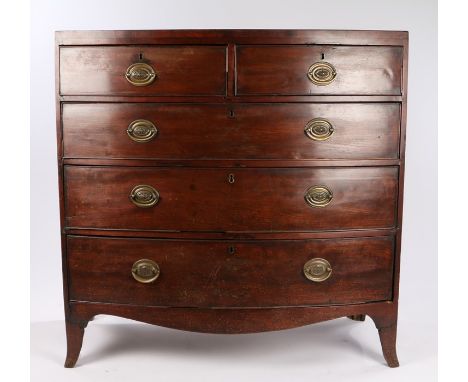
column 232, row 250
column 323, row 56
column 141, row 56
column 231, row 113
column 231, row 178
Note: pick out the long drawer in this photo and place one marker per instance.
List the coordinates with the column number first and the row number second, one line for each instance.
column 318, row 69
column 261, row 131
column 255, row 199
column 230, row 274
column 143, row 70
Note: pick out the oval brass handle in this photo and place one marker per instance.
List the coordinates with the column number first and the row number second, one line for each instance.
column 144, row 196
column 321, row 73
column 319, row 129
column 142, row 130
column 318, row 196
column 317, row 270
column 145, row 271
column 140, row 74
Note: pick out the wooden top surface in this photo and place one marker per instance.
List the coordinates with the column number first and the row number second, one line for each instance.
column 239, row 36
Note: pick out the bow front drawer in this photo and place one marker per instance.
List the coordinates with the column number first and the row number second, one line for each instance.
column 318, row 69
column 143, row 70
column 255, row 199
column 236, row 131
column 231, row 273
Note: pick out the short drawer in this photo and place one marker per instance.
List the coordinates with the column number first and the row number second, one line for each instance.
column 318, row 69
column 255, row 199
column 230, row 274
column 143, row 70
column 239, row 131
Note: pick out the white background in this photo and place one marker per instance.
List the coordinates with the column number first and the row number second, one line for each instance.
column 418, row 307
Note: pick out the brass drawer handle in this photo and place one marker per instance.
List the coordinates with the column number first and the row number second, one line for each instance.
column 318, row 196
column 321, row 73
column 140, row 74
column 142, row 130
column 317, row 270
column 144, row 196
column 145, row 271
column 319, row 129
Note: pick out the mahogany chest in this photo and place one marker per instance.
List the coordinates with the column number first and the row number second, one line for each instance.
column 231, row 181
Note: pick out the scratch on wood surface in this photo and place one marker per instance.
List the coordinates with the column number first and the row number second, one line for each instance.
column 214, row 274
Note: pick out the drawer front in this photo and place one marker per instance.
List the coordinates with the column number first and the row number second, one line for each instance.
column 262, row 131
column 301, row 70
column 177, row 70
column 230, row 199
column 209, row 274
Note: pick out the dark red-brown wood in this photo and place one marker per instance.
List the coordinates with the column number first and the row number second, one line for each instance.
column 234, row 98
column 180, row 70
column 233, row 321
column 246, row 235
column 75, row 332
column 204, row 200
column 232, row 163
column 215, row 84
column 230, row 273
column 283, row 69
column 259, row 131
column 236, row 36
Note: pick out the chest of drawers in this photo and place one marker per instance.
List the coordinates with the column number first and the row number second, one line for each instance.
column 231, row 181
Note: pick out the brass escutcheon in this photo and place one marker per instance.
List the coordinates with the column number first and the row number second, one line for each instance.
column 144, row 196
column 142, row 130
column 319, row 129
column 318, row 196
column 145, row 271
column 317, row 270
column 140, row 74
column 321, row 73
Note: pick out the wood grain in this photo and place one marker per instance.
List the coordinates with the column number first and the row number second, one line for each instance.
column 181, row 70
column 283, row 69
column 238, row 36
column 260, row 76
column 187, row 131
column 230, row 274
column 204, row 200
column 236, row 320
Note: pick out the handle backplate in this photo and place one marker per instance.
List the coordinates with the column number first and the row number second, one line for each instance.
column 318, row 196
column 144, row 196
column 140, row 74
column 321, row 73
column 319, row 129
column 317, row 270
column 142, row 130
column 145, row 271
